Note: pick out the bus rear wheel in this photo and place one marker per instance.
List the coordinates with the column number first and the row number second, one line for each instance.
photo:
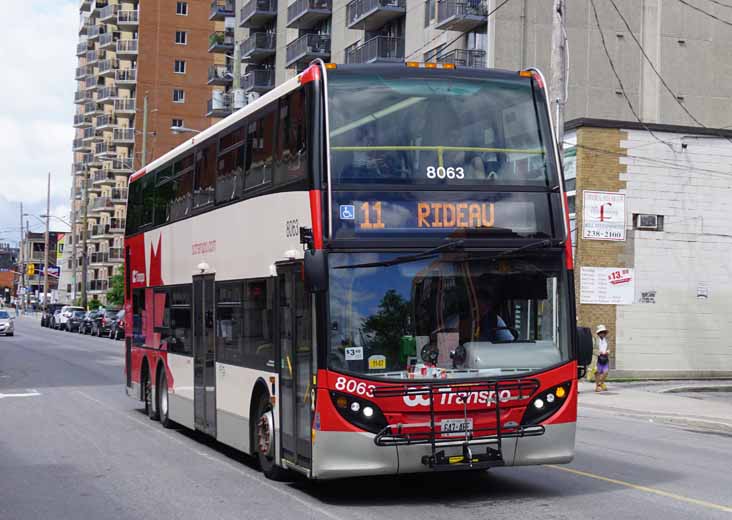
column 163, row 403
column 264, row 440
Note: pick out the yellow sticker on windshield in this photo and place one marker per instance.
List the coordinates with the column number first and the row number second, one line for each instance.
column 377, row 362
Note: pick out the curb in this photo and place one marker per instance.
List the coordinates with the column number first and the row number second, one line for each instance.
column 708, row 423
column 696, row 388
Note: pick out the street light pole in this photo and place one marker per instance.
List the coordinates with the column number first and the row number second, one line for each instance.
column 84, row 223
column 45, row 256
column 21, row 261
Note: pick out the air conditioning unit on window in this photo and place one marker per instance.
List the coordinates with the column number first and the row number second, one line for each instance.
column 647, row 222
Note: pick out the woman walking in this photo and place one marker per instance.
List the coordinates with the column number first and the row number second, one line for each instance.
column 603, row 359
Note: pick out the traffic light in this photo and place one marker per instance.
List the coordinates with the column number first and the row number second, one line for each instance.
column 30, row 270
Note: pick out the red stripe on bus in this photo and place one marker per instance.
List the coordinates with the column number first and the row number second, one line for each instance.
column 316, row 215
column 312, row 73
column 568, row 242
column 136, row 175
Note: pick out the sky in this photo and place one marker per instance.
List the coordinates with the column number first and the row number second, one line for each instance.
column 38, row 60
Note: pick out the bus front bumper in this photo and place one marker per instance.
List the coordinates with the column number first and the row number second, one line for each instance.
column 350, row 454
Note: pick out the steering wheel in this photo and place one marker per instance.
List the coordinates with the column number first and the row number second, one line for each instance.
column 514, row 332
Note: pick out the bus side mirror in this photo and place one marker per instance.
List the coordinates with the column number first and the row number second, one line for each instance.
column 316, row 271
column 584, row 346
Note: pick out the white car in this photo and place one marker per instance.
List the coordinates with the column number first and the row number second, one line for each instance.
column 7, row 324
column 66, row 312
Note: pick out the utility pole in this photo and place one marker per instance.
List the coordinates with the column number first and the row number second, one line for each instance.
column 73, row 255
column 21, row 261
column 143, row 160
column 559, row 65
column 45, row 255
column 84, row 222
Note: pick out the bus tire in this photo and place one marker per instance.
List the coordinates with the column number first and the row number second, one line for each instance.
column 264, row 440
column 148, row 396
column 163, row 401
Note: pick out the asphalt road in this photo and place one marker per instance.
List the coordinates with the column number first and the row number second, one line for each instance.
column 72, row 445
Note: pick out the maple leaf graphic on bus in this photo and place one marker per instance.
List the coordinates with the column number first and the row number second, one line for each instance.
column 156, row 275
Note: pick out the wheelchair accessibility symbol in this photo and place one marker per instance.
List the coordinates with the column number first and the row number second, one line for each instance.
column 348, row 212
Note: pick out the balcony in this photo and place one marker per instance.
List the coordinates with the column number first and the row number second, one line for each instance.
column 219, row 75
column 220, row 105
column 94, row 32
column 91, row 135
column 108, row 41
column 122, row 165
column 102, row 177
column 221, row 10
column 123, row 136
column 259, row 46
column 84, row 26
column 106, row 95
column 128, row 19
column 307, row 48
column 371, row 15
column 91, row 109
column 82, row 120
column 82, row 96
column 101, row 204
column 474, row 58
column 257, row 13
column 104, row 150
column 100, row 257
column 379, row 49
column 99, row 231
column 460, row 16
column 91, row 83
column 260, row 81
column 105, row 122
column 221, row 41
column 118, row 195
column 108, row 14
column 82, row 48
column 97, row 285
column 80, row 146
column 81, row 73
column 124, row 106
column 306, row 14
column 127, row 48
column 125, row 77
column 91, row 57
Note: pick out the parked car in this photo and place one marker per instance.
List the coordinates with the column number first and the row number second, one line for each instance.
column 47, row 315
column 87, row 322
column 74, row 322
column 66, row 312
column 55, row 319
column 117, row 326
column 103, row 321
column 7, row 323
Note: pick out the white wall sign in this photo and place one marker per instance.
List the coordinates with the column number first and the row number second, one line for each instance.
column 607, row 285
column 603, row 215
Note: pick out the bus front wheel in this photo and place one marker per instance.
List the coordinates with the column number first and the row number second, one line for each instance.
column 163, row 402
column 264, row 440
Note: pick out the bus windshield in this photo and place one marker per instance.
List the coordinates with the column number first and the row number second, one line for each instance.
column 454, row 315
column 437, row 127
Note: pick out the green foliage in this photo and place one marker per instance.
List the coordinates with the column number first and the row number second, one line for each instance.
column 387, row 326
column 116, row 292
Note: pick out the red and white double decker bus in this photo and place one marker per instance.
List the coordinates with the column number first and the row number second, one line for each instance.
column 365, row 271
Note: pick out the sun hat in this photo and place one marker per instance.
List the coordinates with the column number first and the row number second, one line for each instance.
column 600, row 328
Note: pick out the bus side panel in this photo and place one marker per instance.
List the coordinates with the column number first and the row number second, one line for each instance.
column 180, row 391
column 234, row 388
column 136, row 356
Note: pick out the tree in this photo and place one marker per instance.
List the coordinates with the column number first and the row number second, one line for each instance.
column 116, row 292
column 387, row 326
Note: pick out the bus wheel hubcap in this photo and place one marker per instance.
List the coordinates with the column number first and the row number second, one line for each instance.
column 164, row 400
column 264, row 434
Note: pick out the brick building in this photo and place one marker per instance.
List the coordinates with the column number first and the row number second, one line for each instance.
column 677, row 186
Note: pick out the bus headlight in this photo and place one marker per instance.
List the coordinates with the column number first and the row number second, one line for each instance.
column 546, row 404
column 359, row 412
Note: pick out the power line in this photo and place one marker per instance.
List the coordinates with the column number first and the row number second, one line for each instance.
column 459, row 36
column 620, row 81
column 720, row 3
column 655, row 70
column 707, row 13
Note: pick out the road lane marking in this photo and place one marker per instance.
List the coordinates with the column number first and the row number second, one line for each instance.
column 645, row 489
column 253, row 477
column 29, row 393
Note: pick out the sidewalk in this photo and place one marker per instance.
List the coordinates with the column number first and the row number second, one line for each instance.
column 666, row 407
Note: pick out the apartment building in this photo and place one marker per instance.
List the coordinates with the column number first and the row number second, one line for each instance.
column 142, row 68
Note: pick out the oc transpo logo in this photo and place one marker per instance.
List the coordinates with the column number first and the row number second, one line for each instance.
column 138, row 277
column 420, row 397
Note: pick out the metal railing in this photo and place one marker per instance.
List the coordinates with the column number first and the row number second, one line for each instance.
column 124, row 105
column 118, row 194
column 378, row 48
column 108, row 11
column 258, row 80
column 105, row 120
column 82, row 119
column 127, row 46
column 91, row 83
column 307, row 45
column 94, row 31
column 460, row 9
column 220, row 38
column 221, row 9
column 98, row 203
column 128, row 17
column 358, row 8
column 97, row 285
column 82, row 96
column 254, row 6
column 108, row 65
column 107, row 39
column 106, row 92
column 82, row 48
column 300, row 7
column 123, row 135
column 91, row 57
column 259, row 40
column 125, row 75
column 122, row 164
column 219, row 73
column 475, row 58
column 102, row 176
column 104, row 148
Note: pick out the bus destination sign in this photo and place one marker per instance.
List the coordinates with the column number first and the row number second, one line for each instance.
column 418, row 213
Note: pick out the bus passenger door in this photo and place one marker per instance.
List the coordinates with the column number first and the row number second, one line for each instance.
column 204, row 358
column 296, row 365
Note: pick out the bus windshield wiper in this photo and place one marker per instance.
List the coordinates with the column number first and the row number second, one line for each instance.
column 453, row 244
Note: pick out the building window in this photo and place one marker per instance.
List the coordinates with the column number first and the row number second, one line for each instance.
column 181, row 37
column 180, row 66
column 179, row 95
column 181, row 8
column 429, row 12
column 177, row 123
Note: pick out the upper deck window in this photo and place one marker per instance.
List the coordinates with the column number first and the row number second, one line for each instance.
column 437, row 128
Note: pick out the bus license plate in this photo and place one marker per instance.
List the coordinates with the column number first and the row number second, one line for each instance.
column 455, row 427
